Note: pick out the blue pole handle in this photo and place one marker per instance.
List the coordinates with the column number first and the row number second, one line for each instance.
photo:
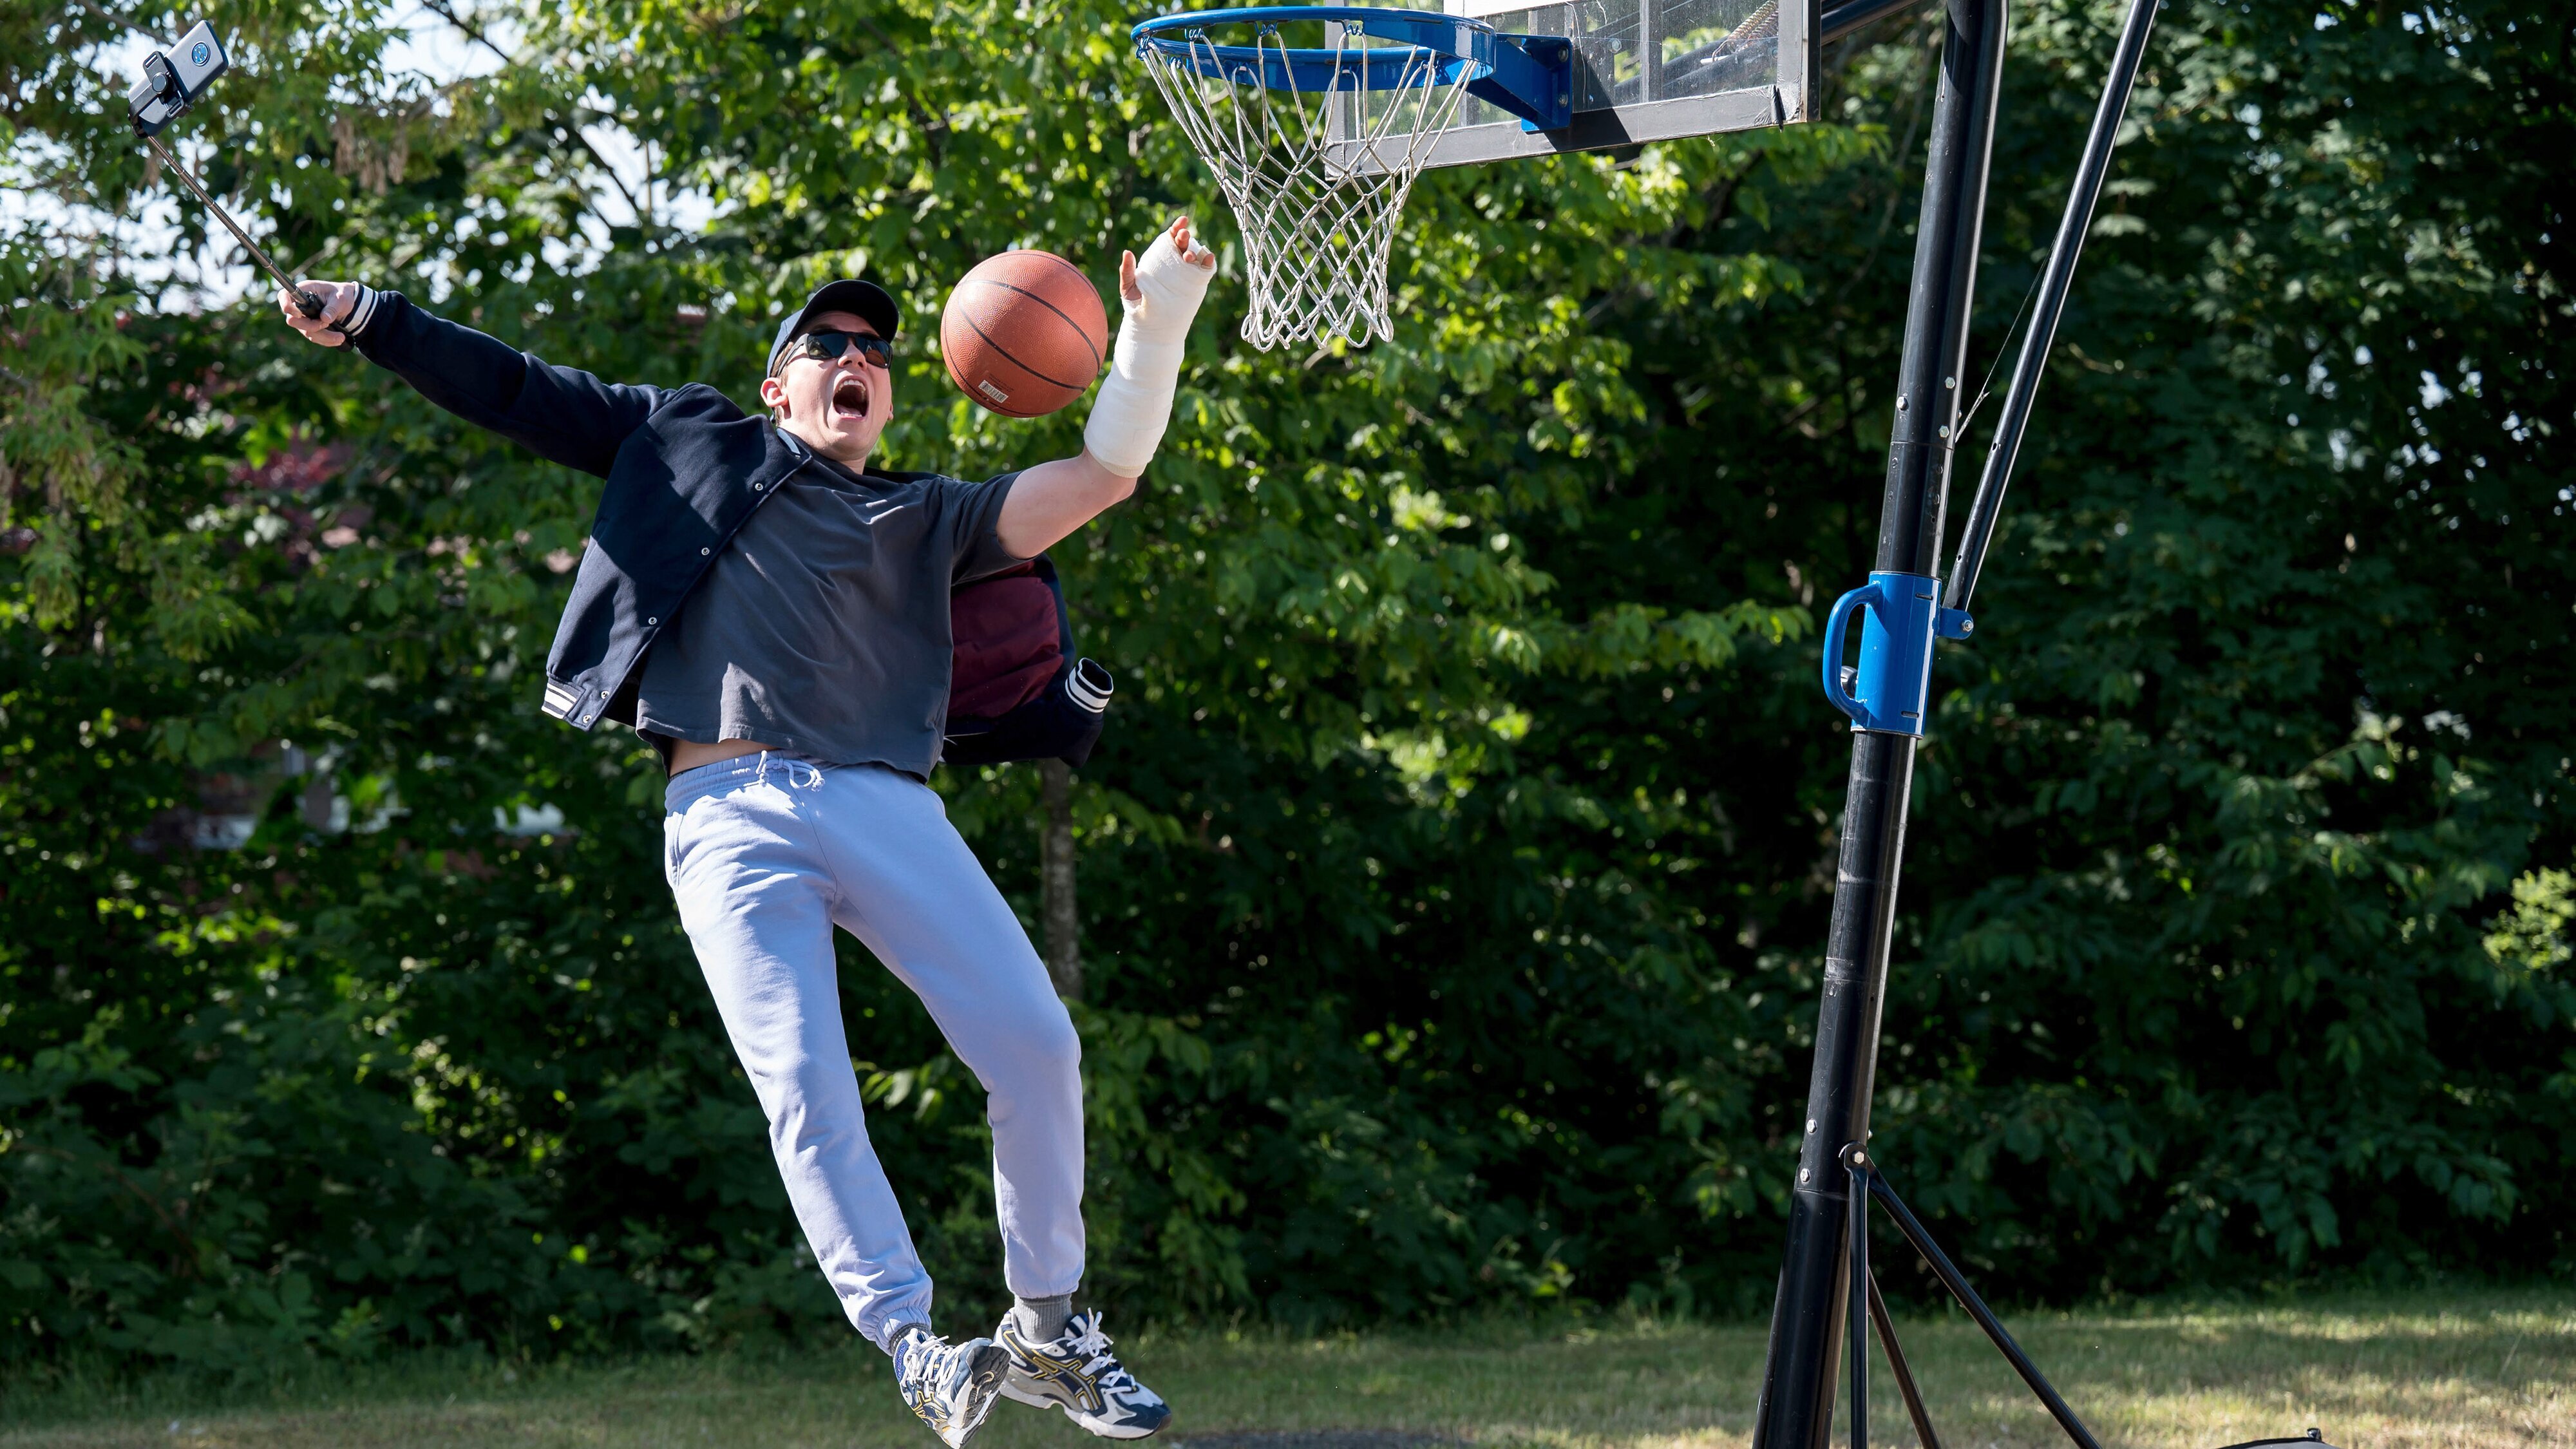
column 1837, row 626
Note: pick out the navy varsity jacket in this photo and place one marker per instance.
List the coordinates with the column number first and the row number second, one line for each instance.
column 685, row 468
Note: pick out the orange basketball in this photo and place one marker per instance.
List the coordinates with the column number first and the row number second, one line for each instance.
column 1024, row 334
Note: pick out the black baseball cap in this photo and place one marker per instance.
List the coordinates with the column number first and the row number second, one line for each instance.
column 864, row 300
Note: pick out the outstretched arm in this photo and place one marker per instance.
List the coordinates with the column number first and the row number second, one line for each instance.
column 1133, row 406
column 561, row 413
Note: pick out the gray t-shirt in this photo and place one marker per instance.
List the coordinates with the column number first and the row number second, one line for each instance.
column 823, row 626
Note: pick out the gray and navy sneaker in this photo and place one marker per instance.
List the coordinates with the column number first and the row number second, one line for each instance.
column 950, row 1387
column 1076, row 1372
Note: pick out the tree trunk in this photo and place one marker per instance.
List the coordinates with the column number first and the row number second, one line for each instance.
column 1055, row 872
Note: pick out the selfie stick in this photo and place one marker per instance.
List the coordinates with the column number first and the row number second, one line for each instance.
column 305, row 302
column 172, row 81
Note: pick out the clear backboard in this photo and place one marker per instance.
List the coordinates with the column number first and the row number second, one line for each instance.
column 1644, row 70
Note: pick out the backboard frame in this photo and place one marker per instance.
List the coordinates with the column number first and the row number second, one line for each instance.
column 1784, row 101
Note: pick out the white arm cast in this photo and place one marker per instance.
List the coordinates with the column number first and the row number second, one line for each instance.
column 1135, row 402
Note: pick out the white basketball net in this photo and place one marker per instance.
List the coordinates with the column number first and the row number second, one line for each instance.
column 1317, row 214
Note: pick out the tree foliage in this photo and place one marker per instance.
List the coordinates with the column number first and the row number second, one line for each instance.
column 1454, row 874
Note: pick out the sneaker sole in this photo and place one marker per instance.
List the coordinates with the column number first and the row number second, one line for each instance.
column 1105, row 1431
column 988, row 1375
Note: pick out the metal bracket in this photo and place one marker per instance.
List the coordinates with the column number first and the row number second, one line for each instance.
column 1890, row 692
column 1533, row 78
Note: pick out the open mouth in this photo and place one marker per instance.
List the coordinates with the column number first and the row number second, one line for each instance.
column 849, row 398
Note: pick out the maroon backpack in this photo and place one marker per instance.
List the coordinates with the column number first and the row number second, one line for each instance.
column 1016, row 691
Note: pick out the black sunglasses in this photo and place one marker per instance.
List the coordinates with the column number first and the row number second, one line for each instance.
column 825, row 345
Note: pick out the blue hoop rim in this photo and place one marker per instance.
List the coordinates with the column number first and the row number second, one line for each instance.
column 1461, row 47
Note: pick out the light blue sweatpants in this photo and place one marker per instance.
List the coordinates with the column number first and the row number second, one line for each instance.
column 766, row 853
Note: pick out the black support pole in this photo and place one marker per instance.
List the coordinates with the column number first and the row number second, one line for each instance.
column 1796, row 1409
column 2055, row 281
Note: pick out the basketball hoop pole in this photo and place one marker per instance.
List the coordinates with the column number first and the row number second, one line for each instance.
column 1807, row 1322
column 1824, row 1275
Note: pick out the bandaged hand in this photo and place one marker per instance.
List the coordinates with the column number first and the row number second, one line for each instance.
column 1162, row 293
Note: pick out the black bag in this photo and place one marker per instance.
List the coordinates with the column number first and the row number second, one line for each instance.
column 1016, row 689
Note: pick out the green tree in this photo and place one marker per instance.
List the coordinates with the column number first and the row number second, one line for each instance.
column 1454, row 867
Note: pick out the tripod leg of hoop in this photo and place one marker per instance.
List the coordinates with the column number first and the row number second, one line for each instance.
column 1857, row 1319
column 1904, row 1372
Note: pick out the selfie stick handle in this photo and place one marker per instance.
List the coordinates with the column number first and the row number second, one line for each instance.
column 305, row 302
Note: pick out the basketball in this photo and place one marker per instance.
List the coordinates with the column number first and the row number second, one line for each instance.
column 1024, row 333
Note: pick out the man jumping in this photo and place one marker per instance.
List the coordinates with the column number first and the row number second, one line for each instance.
column 774, row 617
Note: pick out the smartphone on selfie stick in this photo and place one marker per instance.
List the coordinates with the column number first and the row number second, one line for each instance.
column 173, row 78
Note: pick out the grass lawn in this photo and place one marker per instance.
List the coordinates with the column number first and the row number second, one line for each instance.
column 2455, row 1370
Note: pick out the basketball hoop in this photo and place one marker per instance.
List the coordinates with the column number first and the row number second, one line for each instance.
column 1317, row 204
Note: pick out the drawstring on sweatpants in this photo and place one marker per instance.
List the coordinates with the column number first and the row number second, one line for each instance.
column 813, row 779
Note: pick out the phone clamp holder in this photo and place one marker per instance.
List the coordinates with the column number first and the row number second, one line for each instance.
column 173, row 80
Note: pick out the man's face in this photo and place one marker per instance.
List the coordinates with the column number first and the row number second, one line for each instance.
column 839, row 406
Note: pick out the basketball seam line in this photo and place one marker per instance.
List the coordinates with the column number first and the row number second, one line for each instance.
column 976, row 389
column 1074, row 272
column 1058, row 311
column 1003, row 407
column 1005, row 354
